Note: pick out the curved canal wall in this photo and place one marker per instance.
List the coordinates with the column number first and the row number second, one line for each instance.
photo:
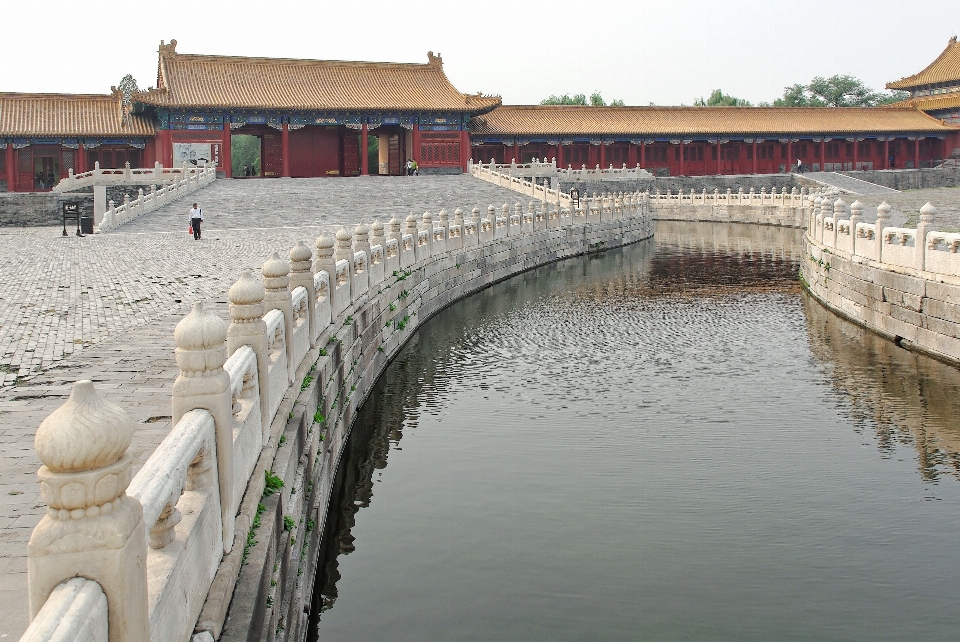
column 214, row 537
column 901, row 283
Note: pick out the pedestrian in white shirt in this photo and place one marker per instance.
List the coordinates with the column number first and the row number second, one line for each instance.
column 196, row 216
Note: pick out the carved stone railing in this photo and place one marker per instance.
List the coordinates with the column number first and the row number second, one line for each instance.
column 125, row 175
column 181, row 182
column 161, row 548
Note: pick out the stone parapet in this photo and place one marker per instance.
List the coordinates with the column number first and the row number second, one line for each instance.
column 903, row 284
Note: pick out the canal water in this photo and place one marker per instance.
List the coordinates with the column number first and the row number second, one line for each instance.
column 668, row 441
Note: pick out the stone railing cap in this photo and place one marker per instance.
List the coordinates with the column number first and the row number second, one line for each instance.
column 85, row 433
column 200, row 330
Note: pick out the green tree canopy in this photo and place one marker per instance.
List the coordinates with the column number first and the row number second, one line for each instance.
column 566, row 99
column 836, row 91
column 595, row 100
column 719, row 99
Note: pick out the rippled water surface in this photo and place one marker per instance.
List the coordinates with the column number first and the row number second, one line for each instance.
column 663, row 442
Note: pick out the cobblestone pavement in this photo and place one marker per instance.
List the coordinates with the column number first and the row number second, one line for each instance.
column 104, row 308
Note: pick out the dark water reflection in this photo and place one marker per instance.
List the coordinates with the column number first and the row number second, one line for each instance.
column 662, row 442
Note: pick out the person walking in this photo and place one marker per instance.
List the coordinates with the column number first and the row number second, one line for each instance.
column 409, row 167
column 196, row 216
column 799, row 166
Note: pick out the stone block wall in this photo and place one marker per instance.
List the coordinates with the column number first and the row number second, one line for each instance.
column 686, row 183
column 39, row 209
column 919, row 311
column 756, row 214
column 902, row 179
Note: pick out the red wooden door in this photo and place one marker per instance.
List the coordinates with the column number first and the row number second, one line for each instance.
column 26, row 176
column 271, row 160
column 351, row 154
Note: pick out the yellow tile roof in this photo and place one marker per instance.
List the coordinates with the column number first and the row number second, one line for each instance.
column 945, row 68
column 553, row 120
column 303, row 85
column 49, row 115
column 932, row 103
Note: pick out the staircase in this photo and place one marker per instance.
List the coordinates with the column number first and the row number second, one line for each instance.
column 848, row 184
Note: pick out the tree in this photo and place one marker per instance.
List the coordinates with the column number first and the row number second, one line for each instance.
column 719, row 99
column 566, row 99
column 836, row 91
column 596, row 100
column 127, row 85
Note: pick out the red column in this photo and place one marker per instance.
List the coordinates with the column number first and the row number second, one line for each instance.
column 516, row 153
column 560, row 154
column 823, row 156
column 11, row 168
column 886, row 154
column 718, row 157
column 631, row 155
column 754, row 155
column 149, row 153
column 166, row 147
column 285, row 151
column 603, row 156
column 640, row 155
column 80, row 162
column 789, row 156
column 681, row 148
column 465, row 151
column 416, row 143
column 856, row 152
column 364, row 156
column 916, row 153
column 225, row 156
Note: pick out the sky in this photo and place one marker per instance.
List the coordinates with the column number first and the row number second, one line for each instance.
column 666, row 52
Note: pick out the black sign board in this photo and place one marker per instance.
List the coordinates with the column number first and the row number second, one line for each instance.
column 71, row 211
column 575, row 197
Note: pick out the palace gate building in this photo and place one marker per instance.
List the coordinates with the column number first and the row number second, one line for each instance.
column 313, row 118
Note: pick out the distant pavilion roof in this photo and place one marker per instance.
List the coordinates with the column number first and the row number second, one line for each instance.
column 555, row 120
column 945, row 69
column 69, row 115
column 224, row 82
column 932, row 103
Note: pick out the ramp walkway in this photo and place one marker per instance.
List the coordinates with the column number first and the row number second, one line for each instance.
column 848, row 184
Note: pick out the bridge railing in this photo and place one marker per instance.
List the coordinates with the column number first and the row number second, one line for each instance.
column 125, row 175
column 151, row 546
column 183, row 182
column 838, row 227
column 549, row 169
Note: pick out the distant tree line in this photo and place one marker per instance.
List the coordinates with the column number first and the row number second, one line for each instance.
column 836, row 91
column 596, row 100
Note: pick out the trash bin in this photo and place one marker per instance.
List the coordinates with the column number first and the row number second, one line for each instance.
column 86, row 224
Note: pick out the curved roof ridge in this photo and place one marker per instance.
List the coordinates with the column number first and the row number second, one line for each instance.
column 945, row 68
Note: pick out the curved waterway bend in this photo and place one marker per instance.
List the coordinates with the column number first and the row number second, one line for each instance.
column 662, row 442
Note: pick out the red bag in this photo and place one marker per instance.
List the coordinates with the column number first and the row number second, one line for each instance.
column 190, row 229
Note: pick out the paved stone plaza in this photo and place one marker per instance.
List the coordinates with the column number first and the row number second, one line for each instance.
column 104, row 307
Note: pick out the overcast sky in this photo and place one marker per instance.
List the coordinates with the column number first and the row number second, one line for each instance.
column 666, row 52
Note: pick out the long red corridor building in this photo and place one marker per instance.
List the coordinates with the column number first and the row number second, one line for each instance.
column 315, row 118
